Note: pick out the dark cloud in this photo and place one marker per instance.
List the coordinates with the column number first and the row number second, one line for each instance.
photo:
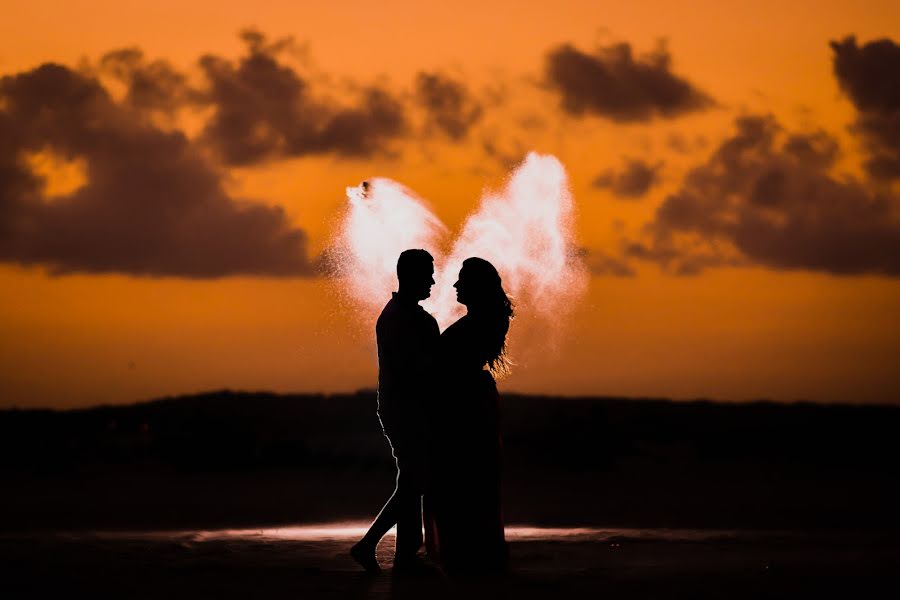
column 154, row 85
column 868, row 75
column 633, row 181
column 449, row 105
column 600, row 263
column 767, row 198
column 612, row 83
column 687, row 258
column 151, row 204
column 265, row 110
column 507, row 154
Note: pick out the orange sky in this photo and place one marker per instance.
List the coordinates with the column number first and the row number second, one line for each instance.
column 729, row 332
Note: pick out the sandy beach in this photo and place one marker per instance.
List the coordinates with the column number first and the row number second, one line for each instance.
column 310, row 561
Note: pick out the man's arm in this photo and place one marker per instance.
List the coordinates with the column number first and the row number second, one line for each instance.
column 390, row 349
column 429, row 338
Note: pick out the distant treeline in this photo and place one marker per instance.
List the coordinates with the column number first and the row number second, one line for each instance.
column 243, row 430
column 612, row 461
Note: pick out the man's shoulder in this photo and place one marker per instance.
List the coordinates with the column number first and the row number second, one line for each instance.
column 419, row 313
column 395, row 311
column 391, row 309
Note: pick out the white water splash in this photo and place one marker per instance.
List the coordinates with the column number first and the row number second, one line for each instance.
column 526, row 231
column 383, row 221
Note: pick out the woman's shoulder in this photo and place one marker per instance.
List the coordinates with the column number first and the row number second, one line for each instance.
column 457, row 336
column 459, row 325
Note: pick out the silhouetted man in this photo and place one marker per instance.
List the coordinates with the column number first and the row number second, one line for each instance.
column 407, row 339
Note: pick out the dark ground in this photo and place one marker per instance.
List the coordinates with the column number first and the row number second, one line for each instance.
column 177, row 565
column 824, row 478
column 226, row 459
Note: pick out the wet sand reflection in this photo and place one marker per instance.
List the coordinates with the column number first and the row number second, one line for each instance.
column 352, row 530
column 311, row 560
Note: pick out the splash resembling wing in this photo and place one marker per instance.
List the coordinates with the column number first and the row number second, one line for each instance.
column 385, row 218
column 527, row 232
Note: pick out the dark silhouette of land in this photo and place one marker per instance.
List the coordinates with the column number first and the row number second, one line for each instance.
column 234, row 458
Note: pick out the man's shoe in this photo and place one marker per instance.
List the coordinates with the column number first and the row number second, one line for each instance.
column 364, row 554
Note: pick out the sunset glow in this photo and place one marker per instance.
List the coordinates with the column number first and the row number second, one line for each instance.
column 684, row 203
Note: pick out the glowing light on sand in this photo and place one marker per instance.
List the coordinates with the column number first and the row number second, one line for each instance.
column 353, row 530
column 526, row 230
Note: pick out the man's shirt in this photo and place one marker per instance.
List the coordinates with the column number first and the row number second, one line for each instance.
column 407, row 338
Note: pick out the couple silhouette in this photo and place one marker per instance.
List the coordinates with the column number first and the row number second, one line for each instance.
column 438, row 407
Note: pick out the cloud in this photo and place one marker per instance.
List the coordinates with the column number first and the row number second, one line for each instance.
column 612, row 83
column 633, row 181
column 264, row 110
column 449, row 105
column 868, row 76
column 151, row 205
column 678, row 142
column 603, row 264
column 155, row 85
column 506, row 152
column 766, row 197
column 689, row 257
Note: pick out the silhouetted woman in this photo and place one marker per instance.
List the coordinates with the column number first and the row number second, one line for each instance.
column 465, row 493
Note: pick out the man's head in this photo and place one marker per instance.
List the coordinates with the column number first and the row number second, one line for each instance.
column 415, row 271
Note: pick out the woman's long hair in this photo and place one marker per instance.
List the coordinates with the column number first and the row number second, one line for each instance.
column 492, row 306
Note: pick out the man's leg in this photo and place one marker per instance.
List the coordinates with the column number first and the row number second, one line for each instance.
column 409, row 508
column 404, row 508
column 386, row 519
column 364, row 550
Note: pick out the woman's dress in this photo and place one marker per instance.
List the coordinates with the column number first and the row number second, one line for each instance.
column 465, row 490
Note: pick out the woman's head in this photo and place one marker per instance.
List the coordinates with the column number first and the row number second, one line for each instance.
column 479, row 284
column 480, row 289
